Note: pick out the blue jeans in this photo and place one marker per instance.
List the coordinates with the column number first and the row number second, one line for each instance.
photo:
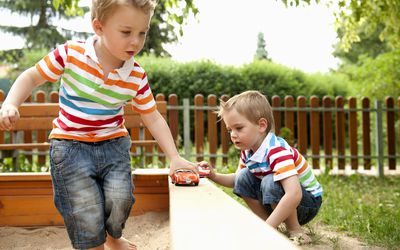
column 268, row 192
column 92, row 185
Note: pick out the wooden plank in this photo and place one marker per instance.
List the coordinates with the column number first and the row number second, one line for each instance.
column 289, row 115
column 34, row 123
column 173, row 116
column 302, row 126
column 327, row 130
column 276, row 103
column 212, row 135
column 340, row 132
column 24, row 177
column 353, row 133
column 315, row 130
column 225, row 137
column 32, row 221
column 390, row 134
column 26, row 199
column 28, row 204
column 150, row 203
column 39, row 110
column 207, row 210
column 199, row 126
column 366, row 132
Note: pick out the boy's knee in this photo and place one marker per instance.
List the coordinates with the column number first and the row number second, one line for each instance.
column 117, row 212
column 246, row 184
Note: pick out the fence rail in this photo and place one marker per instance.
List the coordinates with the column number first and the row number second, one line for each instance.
column 335, row 133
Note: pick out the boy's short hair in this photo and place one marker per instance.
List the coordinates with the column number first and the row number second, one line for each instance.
column 102, row 9
column 251, row 104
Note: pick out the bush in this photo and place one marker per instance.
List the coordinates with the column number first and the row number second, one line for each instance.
column 204, row 77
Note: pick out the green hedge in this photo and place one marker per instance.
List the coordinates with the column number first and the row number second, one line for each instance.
column 205, row 77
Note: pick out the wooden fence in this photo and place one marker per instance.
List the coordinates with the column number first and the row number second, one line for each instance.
column 335, row 132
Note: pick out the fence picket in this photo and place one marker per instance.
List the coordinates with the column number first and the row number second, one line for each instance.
column 353, row 132
column 340, row 132
column 327, row 130
column 173, row 117
column 161, row 157
column 41, row 134
column 199, row 126
column 366, row 132
column 390, row 134
column 289, row 116
column 301, row 125
column 314, row 131
column 276, row 103
column 212, row 129
column 225, row 138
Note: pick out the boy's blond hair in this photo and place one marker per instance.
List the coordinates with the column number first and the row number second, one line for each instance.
column 102, row 9
column 251, row 104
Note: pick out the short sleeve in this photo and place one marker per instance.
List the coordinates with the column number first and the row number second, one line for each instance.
column 144, row 101
column 281, row 162
column 51, row 67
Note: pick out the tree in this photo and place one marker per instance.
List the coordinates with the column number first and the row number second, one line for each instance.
column 354, row 17
column 43, row 34
column 261, row 52
column 169, row 16
column 368, row 46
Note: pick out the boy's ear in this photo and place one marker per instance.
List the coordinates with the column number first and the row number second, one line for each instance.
column 263, row 125
column 97, row 27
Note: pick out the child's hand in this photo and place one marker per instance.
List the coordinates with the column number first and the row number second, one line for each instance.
column 8, row 116
column 179, row 162
column 206, row 165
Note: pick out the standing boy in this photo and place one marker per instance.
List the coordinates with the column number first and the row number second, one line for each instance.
column 273, row 178
column 89, row 153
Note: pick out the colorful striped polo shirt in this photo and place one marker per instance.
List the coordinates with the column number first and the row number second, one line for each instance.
column 275, row 156
column 91, row 109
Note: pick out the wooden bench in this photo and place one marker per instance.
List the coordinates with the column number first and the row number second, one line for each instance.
column 38, row 117
column 204, row 217
column 26, row 199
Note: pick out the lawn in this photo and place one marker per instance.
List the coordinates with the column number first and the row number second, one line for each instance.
column 364, row 207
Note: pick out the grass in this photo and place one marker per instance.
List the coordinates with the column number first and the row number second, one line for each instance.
column 364, row 207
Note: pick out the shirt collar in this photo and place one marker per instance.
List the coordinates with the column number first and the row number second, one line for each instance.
column 259, row 155
column 123, row 72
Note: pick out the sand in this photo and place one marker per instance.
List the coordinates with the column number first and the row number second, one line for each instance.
column 149, row 232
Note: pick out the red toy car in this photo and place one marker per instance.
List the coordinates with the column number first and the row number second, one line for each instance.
column 185, row 177
column 203, row 172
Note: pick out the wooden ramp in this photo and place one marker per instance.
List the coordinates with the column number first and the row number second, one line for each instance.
column 204, row 217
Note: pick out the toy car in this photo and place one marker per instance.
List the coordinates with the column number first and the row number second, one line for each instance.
column 185, row 177
column 203, row 172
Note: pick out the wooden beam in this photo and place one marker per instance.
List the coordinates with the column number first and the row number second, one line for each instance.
column 204, row 217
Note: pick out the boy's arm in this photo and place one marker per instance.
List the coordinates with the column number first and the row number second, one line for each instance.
column 159, row 129
column 20, row 90
column 226, row 180
column 289, row 202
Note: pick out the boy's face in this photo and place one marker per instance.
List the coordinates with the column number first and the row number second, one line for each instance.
column 244, row 133
column 124, row 32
